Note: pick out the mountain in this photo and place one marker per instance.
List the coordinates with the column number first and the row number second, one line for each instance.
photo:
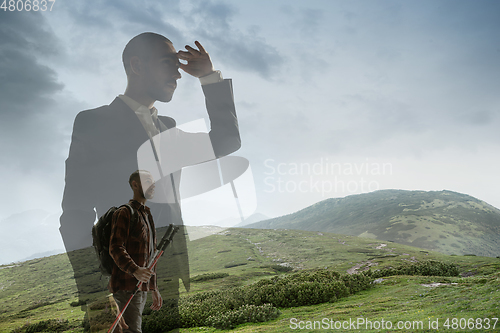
column 236, row 222
column 43, row 254
column 254, row 218
column 444, row 221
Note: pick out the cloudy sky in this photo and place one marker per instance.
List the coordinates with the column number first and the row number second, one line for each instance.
column 333, row 97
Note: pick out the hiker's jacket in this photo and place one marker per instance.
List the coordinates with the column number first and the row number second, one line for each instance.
column 130, row 246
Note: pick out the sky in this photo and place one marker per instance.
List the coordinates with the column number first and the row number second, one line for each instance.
column 334, row 98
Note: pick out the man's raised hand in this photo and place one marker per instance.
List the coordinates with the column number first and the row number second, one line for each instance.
column 198, row 61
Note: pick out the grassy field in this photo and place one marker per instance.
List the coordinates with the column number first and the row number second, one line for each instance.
column 44, row 288
column 402, row 299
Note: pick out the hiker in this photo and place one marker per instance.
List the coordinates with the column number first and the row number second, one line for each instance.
column 105, row 143
column 131, row 247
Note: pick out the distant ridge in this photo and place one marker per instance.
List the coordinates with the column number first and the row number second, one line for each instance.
column 254, row 218
column 43, row 254
column 444, row 221
column 29, row 233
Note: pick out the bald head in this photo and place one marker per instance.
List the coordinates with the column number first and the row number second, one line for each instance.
column 141, row 46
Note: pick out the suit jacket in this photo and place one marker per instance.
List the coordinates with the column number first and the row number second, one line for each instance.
column 103, row 154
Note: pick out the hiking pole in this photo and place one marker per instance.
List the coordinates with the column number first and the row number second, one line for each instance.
column 233, row 188
column 165, row 241
column 238, row 204
column 158, row 165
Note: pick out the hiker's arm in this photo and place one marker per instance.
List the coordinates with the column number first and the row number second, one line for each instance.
column 152, row 282
column 118, row 239
column 157, row 300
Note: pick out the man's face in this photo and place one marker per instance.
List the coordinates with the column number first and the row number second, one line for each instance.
column 147, row 186
column 161, row 72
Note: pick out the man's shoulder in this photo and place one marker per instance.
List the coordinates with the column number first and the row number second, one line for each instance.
column 102, row 111
column 101, row 122
column 124, row 212
column 124, row 209
column 130, row 207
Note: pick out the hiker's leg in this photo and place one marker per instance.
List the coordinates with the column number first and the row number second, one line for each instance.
column 133, row 313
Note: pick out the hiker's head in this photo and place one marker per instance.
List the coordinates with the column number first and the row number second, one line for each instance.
column 142, row 183
column 152, row 66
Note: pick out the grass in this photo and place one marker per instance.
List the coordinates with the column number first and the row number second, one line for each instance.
column 396, row 299
column 44, row 288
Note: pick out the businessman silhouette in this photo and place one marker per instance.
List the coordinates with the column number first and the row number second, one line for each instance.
column 105, row 141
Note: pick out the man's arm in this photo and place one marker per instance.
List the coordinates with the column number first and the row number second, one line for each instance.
column 224, row 133
column 157, row 300
column 78, row 207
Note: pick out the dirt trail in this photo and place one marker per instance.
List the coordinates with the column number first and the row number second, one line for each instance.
column 354, row 269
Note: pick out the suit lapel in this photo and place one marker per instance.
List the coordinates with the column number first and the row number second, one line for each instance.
column 129, row 123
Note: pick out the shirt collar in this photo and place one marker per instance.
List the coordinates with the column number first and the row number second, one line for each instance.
column 137, row 205
column 138, row 107
column 131, row 103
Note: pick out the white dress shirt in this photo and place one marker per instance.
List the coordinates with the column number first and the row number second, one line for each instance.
column 149, row 118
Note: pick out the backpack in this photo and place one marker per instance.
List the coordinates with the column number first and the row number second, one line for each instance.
column 101, row 233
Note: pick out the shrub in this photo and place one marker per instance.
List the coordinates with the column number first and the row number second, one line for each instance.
column 78, row 303
column 281, row 268
column 231, row 265
column 51, row 325
column 102, row 303
column 161, row 321
column 101, row 320
column 306, row 288
column 423, row 268
column 209, row 276
column 37, row 305
column 258, row 301
column 244, row 314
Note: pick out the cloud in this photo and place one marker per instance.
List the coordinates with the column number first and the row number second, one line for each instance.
column 318, row 78
column 33, row 113
column 105, row 29
column 27, row 90
column 241, row 50
column 26, row 83
column 27, row 31
column 304, row 21
column 95, row 34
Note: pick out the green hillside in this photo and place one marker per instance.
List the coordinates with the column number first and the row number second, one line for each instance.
column 43, row 289
column 444, row 221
